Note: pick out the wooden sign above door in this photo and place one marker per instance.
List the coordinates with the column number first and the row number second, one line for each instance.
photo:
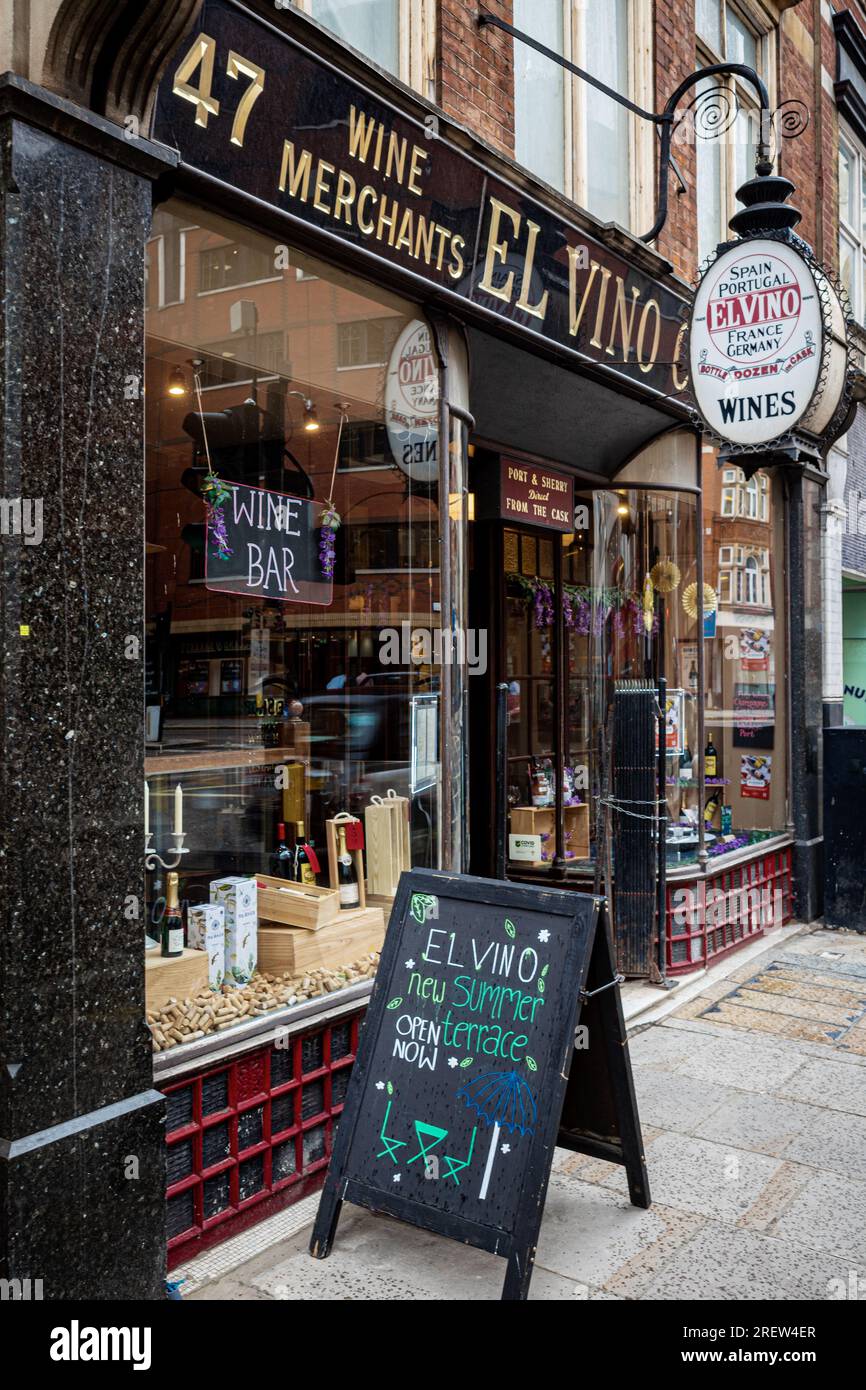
column 529, row 493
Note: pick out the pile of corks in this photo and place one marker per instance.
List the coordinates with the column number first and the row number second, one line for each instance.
column 211, row 1011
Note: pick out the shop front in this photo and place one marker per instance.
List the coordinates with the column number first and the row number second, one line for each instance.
column 336, row 602
column 424, row 507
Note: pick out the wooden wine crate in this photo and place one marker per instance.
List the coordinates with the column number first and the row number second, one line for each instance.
column 338, row 943
column 172, row 977
column 541, row 820
column 282, row 903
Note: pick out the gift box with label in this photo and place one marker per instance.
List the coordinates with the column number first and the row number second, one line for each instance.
column 205, row 931
column 238, row 896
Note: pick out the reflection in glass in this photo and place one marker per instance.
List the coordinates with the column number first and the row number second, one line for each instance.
column 267, row 710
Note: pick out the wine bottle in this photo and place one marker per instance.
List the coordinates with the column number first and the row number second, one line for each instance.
column 711, row 758
column 282, row 859
column 712, row 806
column 686, row 766
column 304, row 871
column 347, row 876
column 171, row 929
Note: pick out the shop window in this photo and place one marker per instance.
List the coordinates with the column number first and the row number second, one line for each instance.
column 165, row 264
column 574, row 137
column 264, row 708
column 364, row 343
column 742, row 497
column 224, row 267
column 852, row 220
column 734, row 33
column 399, row 35
column 598, row 583
column 744, row 664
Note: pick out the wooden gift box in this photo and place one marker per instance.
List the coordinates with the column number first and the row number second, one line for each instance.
column 331, row 827
column 172, row 977
column 283, row 903
column 292, row 949
column 387, row 835
column 541, row 820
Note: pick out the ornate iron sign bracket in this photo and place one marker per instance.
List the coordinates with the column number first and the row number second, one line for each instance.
column 663, row 120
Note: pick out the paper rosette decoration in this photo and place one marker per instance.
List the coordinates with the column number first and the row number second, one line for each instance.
column 665, row 576
column 690, row 599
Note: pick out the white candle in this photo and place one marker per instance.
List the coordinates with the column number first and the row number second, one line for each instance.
column 146, row 808
column 178, row 810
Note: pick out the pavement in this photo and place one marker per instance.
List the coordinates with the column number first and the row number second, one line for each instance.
column 752, row 1099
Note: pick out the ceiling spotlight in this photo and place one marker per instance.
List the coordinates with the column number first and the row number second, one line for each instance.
column 177, row 383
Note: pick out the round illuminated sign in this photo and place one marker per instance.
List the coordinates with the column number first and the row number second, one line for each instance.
column 412, row 403
column 756, row 342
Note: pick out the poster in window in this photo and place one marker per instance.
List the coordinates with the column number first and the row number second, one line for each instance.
column 674, row 724
column 754, row 649
column 754, row 711
column 755, row 776
column 425, row 742
column 689, row 666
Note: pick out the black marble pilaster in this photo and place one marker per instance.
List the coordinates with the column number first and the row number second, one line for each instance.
column 81, row 1143
column 805, row 651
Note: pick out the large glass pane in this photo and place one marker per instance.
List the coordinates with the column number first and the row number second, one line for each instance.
column 848, row 272
column 847, row 186
column 269, row 703
column 371, row 26
column 745, row 797
column 742, row 45
column 746, row 130
column 607, row 123
column 709, row 154
column 708, row 23
column 539, row 92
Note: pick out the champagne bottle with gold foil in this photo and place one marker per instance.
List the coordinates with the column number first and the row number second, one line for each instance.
column 347, row 877
column 171, row 932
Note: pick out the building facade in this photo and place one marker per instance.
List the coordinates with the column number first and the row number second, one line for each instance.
column 372, row 277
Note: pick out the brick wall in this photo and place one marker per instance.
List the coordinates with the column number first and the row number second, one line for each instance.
column 476, row 71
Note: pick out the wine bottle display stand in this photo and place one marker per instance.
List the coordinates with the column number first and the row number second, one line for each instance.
column 541, row 820
column 357, row 859
column 285, row 904
column 167, row 977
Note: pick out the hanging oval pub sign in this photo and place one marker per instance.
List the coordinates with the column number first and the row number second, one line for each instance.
column 767, row 344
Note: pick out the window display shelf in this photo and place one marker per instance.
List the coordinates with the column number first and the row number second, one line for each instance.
column 204, row 761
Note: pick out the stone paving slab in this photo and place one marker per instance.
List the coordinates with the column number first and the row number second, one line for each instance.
column 672, row 1101
column 760, row 1123
column 751, row 1017
column 829, row 1143
column 735, row 1265
column 696, row 1175
column 829, row 1082
column 762, row 996
column 802, row 989
column 828, row 1213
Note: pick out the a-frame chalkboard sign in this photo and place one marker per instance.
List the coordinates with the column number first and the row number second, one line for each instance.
column 467, row 1073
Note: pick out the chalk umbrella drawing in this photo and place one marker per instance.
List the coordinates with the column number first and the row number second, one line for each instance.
column 502, row 1099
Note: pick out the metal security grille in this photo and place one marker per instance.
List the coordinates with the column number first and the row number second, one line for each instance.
column 254, row 1134
column 635, row 728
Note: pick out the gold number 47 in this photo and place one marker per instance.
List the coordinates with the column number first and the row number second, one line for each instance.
column 202, row 55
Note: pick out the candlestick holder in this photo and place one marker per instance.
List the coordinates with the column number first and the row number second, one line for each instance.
column 151, row 858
